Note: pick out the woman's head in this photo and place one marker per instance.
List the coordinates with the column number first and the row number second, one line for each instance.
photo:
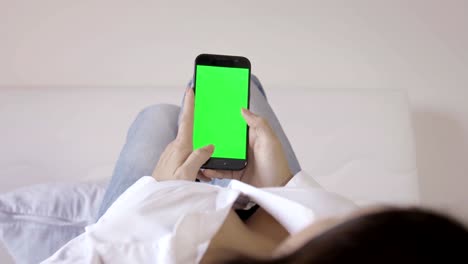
column 385, row 236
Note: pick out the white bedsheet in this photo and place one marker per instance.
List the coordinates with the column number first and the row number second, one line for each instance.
column 356, row 142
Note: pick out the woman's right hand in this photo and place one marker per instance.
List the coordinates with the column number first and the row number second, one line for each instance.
column 267, row 165
column 179, row 161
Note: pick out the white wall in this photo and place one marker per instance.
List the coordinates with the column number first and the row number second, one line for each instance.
column 419, row 46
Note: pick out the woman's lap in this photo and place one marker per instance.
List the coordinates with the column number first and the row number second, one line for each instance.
column 153, row 129
column 156, row 126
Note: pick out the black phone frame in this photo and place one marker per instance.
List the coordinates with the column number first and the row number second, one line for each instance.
column 233, row 62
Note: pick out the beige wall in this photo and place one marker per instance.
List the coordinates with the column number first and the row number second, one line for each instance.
column 419, row 46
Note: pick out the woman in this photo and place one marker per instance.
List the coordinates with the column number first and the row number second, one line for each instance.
column 270, row 212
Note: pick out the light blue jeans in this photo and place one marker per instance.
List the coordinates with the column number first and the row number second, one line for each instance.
column 156, row 126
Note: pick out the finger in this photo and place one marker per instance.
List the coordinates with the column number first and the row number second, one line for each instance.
column 186, row 121
column 202, row 177
column 196, row 159
column 256, row 122
column 217, row 174
column 221, row 174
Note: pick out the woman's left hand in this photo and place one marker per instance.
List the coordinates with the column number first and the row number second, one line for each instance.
column 179, row 161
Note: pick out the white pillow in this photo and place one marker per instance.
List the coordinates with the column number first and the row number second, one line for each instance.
column 36, row 221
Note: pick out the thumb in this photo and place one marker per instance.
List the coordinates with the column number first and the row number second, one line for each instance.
column 258, row 123
column 197, row 158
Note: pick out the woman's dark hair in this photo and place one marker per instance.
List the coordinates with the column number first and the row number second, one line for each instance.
column 394, row 235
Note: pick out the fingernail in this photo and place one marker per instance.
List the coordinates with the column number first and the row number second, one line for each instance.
column 209, row 147
column 245, row 111
column 187, row 89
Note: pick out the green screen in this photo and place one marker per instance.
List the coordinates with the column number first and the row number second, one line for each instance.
column 220, row 92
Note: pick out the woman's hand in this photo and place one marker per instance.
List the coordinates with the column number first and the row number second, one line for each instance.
column 267, row 164
column 179, row 161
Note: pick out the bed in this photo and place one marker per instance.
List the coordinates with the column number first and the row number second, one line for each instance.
column 59, row 146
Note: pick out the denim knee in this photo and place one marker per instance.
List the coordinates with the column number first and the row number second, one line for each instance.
column 152, row 111
column 153, row 115
column 256, row 82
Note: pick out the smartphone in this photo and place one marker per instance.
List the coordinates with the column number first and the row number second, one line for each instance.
column 222, row 88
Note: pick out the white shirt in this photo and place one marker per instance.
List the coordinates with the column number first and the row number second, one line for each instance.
column 174, row 221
